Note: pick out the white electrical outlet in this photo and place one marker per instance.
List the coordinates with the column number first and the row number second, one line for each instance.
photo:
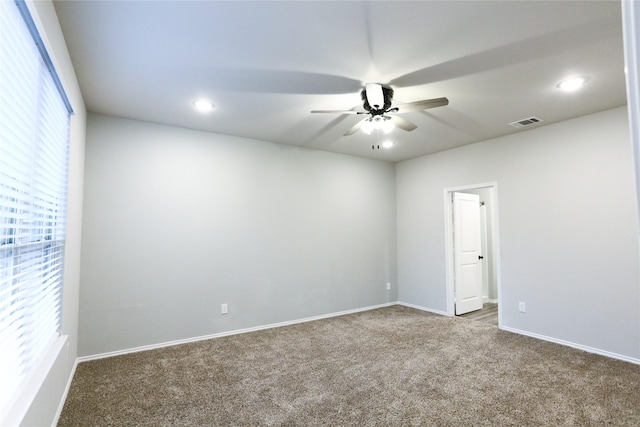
column 522, row 307
column 388, row 286
column 224, row 309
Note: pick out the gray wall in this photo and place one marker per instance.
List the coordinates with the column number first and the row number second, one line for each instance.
column 568, row 231
column 178, row 222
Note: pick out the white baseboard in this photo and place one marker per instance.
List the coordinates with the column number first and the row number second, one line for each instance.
column 228, row 333
column 65, row 394
column 574, row 345
column 418, row 307
column 326, row 316
column 542, row 337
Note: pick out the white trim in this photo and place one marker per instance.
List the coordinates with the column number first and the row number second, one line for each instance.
column 324, row 316
column 630, row 22
column 448, row 241
column 630, row 34
column 27, row 393
column 63, row 398
column 540, row 337
column 228, row 333
column 418, row 307
column 574, row 345
column 35, row 10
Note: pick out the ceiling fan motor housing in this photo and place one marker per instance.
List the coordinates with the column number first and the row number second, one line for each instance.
column 387, row 94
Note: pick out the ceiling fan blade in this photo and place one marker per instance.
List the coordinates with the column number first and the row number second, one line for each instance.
column 420, row 105
column 355, row 128
column 375, row 96
column 339, row 111
column 403, row 124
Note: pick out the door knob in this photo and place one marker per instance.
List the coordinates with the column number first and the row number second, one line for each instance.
column 480, row 257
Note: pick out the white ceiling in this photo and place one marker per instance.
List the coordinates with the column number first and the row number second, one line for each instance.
column 266, row 64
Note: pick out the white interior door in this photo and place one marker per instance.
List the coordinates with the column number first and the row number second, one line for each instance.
column 467, row 255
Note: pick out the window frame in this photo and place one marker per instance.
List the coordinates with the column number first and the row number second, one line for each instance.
column 43, row 232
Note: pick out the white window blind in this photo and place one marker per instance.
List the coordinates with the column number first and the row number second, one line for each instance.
column 34, row 141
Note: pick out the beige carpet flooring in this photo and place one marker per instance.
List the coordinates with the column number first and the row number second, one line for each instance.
column 393, row 366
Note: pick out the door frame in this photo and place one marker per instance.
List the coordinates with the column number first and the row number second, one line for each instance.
column 448, row 239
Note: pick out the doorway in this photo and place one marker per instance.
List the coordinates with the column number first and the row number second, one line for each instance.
column 488, row 255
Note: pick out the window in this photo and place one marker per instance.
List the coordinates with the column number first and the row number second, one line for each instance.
column 34, row 144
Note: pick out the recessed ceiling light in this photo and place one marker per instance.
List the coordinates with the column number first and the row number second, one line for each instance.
column 203, row 105
column 572, row 83
column 388, row 144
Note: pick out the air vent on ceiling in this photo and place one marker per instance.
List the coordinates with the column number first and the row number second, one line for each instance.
column 526, row 122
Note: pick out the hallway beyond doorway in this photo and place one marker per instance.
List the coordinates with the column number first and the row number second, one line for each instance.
column 488, row 314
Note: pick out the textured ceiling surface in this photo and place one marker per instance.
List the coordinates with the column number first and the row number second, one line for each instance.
column 267, row 64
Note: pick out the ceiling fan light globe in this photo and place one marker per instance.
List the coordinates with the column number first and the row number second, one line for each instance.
column 378, row 122
column 367, row 126
column 387, row 126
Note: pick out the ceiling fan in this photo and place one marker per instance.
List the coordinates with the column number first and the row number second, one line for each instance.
column 377, row 104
